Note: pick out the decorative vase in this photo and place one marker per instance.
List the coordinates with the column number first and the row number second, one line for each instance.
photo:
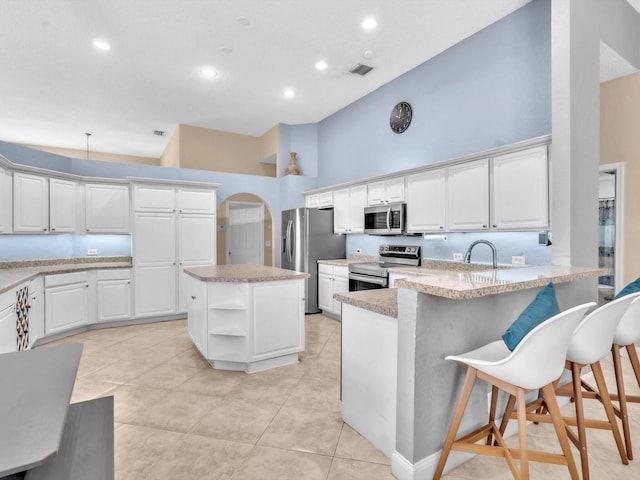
column 292, row 168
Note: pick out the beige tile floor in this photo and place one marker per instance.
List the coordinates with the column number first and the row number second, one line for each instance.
column 176, row 418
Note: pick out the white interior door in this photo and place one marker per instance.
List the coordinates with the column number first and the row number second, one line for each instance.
column 245, row 233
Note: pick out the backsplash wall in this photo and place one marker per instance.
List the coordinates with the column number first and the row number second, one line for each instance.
column 46, row 247
column 507, row 244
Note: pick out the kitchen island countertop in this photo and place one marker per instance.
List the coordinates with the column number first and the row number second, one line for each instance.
column 243, row 273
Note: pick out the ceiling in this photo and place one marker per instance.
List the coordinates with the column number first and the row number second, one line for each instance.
column 55, row 86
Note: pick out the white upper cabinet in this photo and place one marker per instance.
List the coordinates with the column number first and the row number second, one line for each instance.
column 426, row 199
column 521, row 190
column 386, row 191
column 5, row 201
column 312, row 201
column 325, row 199
column 63, row 206
column 468, row 196
column 194, row 200
column 106, row 208
column 30, row 203
column 154, row 198
column 348, row 209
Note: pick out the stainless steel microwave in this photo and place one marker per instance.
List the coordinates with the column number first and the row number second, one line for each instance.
column 385, row 219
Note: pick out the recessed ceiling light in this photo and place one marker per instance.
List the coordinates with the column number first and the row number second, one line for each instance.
column 102, row 45
column 208, row 72
column 321, row 65
column 369, row 23
column 369, row 54
column 244, row 21
column 289, row 93
column 226, row 50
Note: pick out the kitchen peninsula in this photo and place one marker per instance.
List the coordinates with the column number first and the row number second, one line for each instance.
column 246, row 317
column 402, row 335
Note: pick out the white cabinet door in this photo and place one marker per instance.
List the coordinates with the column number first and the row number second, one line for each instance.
column 521, row 190
column 357, row 202
column 194, row 200
column 376, row 193
column 312, row 201
column 63, row 206
column 468, row 196
column 36, row 310
column 30, row 203
column 196, row 246
column 325, row 292
column 114, row 300
column 340, row 285
column 325, row 199
column 341, row 211
column 6, row 203
column 426, row 201
column 154, row 253
column 395, row 191
column 8, row 332
column 197, row 312
column 154, row 198
column 106, row 208
column 66, row 307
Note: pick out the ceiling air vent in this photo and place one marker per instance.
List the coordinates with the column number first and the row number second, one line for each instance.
column 158, row 133
column 361, row 69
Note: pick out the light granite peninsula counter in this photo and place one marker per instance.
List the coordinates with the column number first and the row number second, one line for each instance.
column 246, row 317
column 437, row 313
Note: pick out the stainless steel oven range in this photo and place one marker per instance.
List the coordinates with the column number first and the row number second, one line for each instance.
column 372, row 275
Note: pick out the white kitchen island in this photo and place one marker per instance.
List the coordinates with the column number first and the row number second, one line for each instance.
column 246, row 317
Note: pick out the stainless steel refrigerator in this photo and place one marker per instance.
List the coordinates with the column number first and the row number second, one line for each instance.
column 307, row 236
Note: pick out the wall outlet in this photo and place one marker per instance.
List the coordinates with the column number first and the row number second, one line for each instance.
column 457, row 256
column 92, row 251
column 517, row 259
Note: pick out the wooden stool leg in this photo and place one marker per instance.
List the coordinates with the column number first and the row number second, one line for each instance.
column 576, row 370
column 511, row 403
column 492, row 411
column 455, row 422
column 622, row 400
column 608, row 408
column 522, row 434
column 549, row 395
column 635, row 363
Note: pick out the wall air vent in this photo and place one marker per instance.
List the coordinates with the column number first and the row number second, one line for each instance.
column 158, row 133
column 361, row 69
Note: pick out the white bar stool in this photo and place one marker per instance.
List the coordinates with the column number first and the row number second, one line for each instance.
column 627, row 334
column 535, row 363
column 591, row 342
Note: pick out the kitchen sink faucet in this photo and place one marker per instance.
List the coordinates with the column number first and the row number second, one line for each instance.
column 467, row 256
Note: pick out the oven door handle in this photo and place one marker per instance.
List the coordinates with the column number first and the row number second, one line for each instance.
column 364, row 278
column 388, row 215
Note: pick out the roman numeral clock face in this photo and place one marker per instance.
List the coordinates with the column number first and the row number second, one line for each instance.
column 400, row 117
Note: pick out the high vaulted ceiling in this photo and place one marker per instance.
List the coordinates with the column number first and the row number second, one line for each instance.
column 55, row 86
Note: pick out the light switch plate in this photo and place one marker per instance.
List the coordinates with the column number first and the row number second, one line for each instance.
column 517, row 260
column 92, row 251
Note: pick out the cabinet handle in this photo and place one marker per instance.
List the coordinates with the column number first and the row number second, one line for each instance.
column 441, row 227
column 87, row 285
column 87, row 229
column 44, row 229
column 53, row 229
column 484, row 226
column 495, row 226
column 193, row 297
column 128, row 283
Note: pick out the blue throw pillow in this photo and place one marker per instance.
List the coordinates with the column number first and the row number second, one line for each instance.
column 633, row 287
column 542, row 308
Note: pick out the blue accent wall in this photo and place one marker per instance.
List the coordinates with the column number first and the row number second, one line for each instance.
column 492, row 89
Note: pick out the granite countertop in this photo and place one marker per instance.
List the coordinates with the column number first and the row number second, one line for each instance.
column 463, row 285
column 343, row 262
column 383, row 301
column 15, row 273
column 243, row 273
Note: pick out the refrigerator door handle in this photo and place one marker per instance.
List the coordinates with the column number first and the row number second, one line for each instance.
column 288, row 241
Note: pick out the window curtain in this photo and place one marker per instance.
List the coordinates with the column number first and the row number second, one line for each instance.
column 607, row 240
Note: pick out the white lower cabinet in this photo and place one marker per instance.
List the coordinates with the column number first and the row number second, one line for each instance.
column 8, row 318
column 36, row 309
column 155, row 290
column 113, row 294
column 66, row 301
column 247, row 326
column 332, row 279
